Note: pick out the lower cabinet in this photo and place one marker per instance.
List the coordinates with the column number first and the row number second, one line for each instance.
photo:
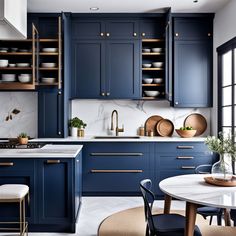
column 55, row 191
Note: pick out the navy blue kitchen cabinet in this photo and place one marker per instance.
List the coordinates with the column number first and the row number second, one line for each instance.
column 179, row 158
column 115, row 168
column 189, row 69
column 105, row 69
column 78, row 183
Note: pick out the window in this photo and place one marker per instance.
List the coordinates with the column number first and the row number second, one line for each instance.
column 227, row 87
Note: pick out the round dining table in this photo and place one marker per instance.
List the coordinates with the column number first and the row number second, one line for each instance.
column 195, row 191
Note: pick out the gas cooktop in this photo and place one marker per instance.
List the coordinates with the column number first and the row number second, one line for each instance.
column 12, row 145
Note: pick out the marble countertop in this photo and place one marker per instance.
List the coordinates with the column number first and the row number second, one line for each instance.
column 193, row 188
column 57, row 151
column 141, row 139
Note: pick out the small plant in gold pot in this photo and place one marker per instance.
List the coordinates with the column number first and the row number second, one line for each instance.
column 23, row 138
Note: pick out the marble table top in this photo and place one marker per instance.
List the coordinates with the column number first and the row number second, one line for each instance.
column 192, row 188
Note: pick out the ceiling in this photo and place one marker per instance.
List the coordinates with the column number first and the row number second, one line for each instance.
column 128, row 6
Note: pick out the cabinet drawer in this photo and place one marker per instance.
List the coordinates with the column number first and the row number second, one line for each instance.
column 192, row 28
column 182, row 147
column 183, row 162
column 8, row 165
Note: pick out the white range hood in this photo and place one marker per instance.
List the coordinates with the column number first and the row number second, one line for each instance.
column 13, row 19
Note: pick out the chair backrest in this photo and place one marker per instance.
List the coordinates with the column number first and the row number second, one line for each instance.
column 203, row 169
column 233, row 216
column 148, row 198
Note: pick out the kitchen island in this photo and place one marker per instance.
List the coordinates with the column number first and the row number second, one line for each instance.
column 54, row 176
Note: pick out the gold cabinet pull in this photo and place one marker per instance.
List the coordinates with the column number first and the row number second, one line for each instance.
column 135, row 34
column 102, row 34
column 177, row 34
column 209, row 34
column 183, row 157
column 53, row 161
column 116, row 171
column 185, row 147
column 143, row 34
column 107, row 94
column 116, row 154
column 7, row 164
column 103, row 94
column 108, row 34
column 188, row 167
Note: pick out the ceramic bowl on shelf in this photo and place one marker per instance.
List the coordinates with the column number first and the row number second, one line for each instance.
column 3, row 49
column 147, row 65
column 49, row 49
column 24, row 78
column 23, row 50
column 23, row 64
column 146, row 50
column 156, row 49
column 48, row 64
column 48, row 80
column 12, row 65
column 186, row 133
column 157, row 64
column 14, row 49
column 151, row 93
column 3, row 63
column 8, row 77
column 157, row 80
column 147, row 80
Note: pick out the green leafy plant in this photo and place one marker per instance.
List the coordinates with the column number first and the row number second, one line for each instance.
column 186, row 128
column 77, row 123
column 23, row 135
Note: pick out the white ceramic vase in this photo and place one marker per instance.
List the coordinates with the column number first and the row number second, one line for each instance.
column 73, row 131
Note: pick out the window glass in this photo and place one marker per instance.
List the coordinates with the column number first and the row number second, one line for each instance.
column 227, row 96
column 226, row 131
column 227, row 116
column 227, row 69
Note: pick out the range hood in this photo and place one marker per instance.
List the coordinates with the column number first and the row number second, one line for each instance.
column 13, row 19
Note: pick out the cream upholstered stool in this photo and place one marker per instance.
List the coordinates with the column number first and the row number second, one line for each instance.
column 15, row 193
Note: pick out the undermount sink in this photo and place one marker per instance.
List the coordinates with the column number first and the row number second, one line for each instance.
column 116, row 137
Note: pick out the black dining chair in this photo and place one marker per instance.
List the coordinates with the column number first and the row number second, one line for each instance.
column 161, row 224
column 205, row 211
column 233, row 216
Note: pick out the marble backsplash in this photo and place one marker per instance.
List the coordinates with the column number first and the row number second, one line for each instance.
column 133, row 114
column 25, row 120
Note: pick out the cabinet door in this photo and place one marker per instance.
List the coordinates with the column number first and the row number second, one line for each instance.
column 78, row 183
column 55, row 191
column 152, row 28
column 48, row 27
column 193, row 73
column 88, row 69
column 122, row 69
column 87, row 29
column 195, row 28
column 122, row 29
column 50, row 114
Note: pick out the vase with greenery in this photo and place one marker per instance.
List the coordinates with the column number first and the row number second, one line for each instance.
column 23, row 138
column 225, row 147
column 76, row 124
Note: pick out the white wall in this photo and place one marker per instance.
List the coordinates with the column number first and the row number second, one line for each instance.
column 224, row 30
column 97, row 114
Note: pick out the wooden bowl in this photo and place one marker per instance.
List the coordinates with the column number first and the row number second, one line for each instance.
column 186, row 133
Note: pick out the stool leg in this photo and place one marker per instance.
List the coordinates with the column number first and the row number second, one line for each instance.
column 24, row 216
column 20, row 218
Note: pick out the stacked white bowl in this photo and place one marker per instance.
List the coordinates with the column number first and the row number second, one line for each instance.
column 8, row 77
column 3, row 63
column 24, row 78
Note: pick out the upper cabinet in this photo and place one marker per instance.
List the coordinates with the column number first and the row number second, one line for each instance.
column 189, row 60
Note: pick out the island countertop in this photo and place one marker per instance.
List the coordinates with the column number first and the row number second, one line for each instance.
column 49, row 150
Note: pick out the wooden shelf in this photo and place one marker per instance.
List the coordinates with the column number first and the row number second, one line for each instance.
column 16, row 86
column 48, row 53
column 48, row 40
column 16, row 68
column 152, row 85
column 53, row 68
column 152, row 53
column 152, row 68
column 16, row 53
column 152, row 40
column 46, row 84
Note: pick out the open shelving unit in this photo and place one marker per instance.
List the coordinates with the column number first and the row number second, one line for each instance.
column 152, row 72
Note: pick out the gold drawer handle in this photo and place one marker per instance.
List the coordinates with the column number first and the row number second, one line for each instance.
column 185, row 147
column 53, row 161
column 188, row 167
column 116, row 171
column 180, row 158
column 7, row 164
column 116, row 154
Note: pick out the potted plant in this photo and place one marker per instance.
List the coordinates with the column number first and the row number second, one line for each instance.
column 76, row 125
column 225, row 147
column 23, row 138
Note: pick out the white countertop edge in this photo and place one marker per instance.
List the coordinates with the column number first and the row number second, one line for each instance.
column 141, row 139
column 48, row 151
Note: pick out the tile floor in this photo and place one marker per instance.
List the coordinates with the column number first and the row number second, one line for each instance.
column 95, row 209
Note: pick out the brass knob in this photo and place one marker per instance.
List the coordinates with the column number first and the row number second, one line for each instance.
column 102, row 34
column 103, row 94
column 176, row 103
column 108, row 34
column 59, row 132
column 143, row 34
column 135, row 34
column 59, row 93
column 177, row 34
column 108, row 94
column 209, row 34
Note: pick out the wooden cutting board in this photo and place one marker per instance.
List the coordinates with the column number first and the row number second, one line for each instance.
column 165, row 128
column 151, row 123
